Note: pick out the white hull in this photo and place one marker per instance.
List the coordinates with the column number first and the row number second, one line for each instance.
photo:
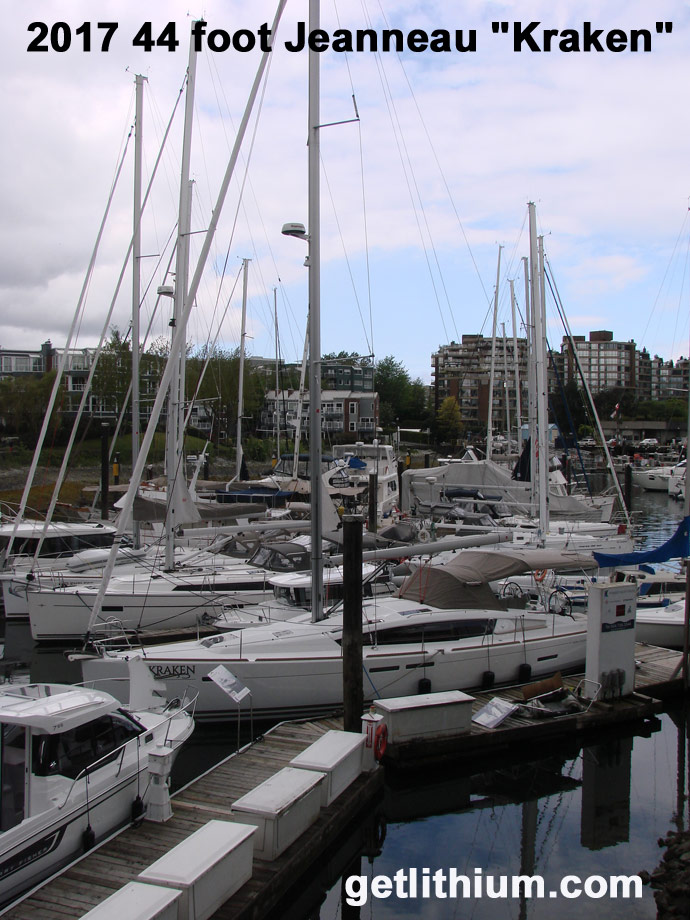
column 309, row 682
column 59, row 840
column 662, row 626
column 655, row 479
column 51, row 813
column 59, row 615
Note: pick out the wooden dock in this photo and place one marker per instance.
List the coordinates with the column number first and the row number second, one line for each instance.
column 120, row 859
column 657, row 677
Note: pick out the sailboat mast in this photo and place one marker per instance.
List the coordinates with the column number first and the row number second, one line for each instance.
column 506, row 385
column 175, row 426
column 314, row 212
column 136, row 280
column 300, row 403
column 240, row 385
column 516, row 359
column 178, row 340
column 531, row 388
column 540, row 473
column 275, row 320
column 489, row 420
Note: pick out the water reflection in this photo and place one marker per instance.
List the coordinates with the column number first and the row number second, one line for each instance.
column 598, row 809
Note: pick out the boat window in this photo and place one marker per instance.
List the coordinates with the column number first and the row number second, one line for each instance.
column 286, row 595
column 12, row 775
column 63, row 545
column 443, row 631
column 261, row 557
column 71, row 752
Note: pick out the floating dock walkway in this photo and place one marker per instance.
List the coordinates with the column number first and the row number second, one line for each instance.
column 120, row 859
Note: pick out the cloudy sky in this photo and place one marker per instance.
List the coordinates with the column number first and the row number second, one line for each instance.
column 417, row 196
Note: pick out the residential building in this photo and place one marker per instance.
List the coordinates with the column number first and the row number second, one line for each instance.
column 346, row 413
column 463, row 370
column 604, row 363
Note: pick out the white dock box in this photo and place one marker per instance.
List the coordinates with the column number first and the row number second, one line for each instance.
column 282, row 808
column 426, row 715
column 136, row 901
column 337, row 754
column 207, row 868
column 610, row 664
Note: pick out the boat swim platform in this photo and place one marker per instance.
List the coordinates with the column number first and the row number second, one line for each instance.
column 120, row 859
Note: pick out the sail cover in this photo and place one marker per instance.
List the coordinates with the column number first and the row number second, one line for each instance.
column 678, row 547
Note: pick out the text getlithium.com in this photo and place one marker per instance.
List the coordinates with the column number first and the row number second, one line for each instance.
column 449, row 883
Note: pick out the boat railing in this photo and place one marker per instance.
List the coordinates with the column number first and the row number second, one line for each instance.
column 173, row 707
column 177, row 705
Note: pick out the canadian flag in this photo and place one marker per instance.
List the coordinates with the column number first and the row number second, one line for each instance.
column 615, row 411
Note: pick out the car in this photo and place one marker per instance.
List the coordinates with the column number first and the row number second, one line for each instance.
column 648, row 443
column 588, row 443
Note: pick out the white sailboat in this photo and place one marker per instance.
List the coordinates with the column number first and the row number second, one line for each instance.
column 445, row 627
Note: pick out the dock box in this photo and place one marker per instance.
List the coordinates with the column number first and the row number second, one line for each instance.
column 426, row 716
column 337, row 754
column 208, row 867
column 136, row 901
column 282, row 808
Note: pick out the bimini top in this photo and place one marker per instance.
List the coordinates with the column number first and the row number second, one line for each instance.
column 52, row 708
column 464, row 581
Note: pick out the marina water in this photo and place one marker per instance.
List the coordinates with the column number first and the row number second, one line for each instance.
column 595, row 806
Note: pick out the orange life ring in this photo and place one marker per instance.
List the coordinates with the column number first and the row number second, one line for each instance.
column 380, row 741
column 539, row 575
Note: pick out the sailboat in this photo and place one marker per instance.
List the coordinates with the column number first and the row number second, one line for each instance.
column 444, row 630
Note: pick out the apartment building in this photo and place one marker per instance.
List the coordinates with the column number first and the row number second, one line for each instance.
column 463, row 370
column 350, row 413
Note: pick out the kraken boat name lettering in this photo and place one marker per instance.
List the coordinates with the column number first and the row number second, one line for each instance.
column 172, row 671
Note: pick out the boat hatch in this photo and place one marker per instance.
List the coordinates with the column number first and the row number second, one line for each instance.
column 212, row 640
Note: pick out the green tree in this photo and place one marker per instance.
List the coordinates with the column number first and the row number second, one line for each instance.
column 113, row 375
column 448, row 421
column 23, row 405
column 392, row 383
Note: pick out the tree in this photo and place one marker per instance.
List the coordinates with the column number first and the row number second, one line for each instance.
column 392, row 383
column 448, row 421
column 347, row 357
column 23, row 405
column 113, row 374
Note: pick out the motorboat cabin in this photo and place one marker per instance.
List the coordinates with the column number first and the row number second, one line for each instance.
column 70, row 765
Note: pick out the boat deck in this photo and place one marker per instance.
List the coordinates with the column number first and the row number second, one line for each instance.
column 118, row 860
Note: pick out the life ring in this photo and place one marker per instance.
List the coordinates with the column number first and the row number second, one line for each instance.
column 423, row 536
column 539, row 575
column 380, row 741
